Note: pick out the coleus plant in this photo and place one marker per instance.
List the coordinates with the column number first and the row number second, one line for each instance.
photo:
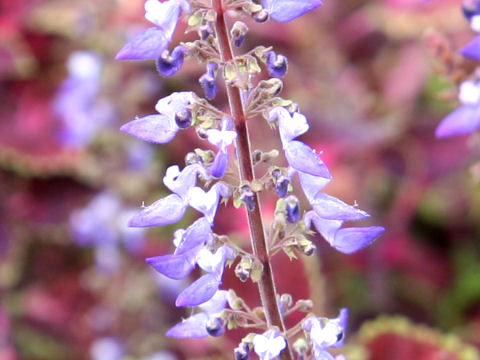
column 202, row 183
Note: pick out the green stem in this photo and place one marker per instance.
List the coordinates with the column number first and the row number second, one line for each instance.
column 266, row 284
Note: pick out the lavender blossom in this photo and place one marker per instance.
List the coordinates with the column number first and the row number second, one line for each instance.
column 287, row 10
column 466, row 118
column 326, row 333
column 196, row 325
column 152, row 43
column 77, row 104
column 269, row 344
column 163, row 127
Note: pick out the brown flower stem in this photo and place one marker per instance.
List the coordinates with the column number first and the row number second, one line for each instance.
column 266, row 284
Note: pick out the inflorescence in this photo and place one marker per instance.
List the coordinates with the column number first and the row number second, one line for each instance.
column 203, row 182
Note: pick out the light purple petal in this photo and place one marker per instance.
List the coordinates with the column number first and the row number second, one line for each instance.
column 326, row 228
column 148, row 45
column 163, row 14
column 153, row 128
column 312, row 185
column 199, row 233
column 290, row 126
column 192, row 327
column 215, row 263
column 322, row 355
column 205, row 202
column 350, row 240
column 180, row 182
column 199, row 291
column 472, row 49
column 302, row 158
column 286, row 10
column 165, row 211
column 175, row 266
column 330, row 208
column 463, row 120
column 216, row 304
column 220, row 164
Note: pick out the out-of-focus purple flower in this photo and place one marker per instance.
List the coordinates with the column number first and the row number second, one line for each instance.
column 345, row 240
column 102, row 224
column 161, row 128
column 287, row 10
column 139, row 155
column 77, row 105
column 222, row 139
column 196, row 325
column 326, row 333
column 471, row 9
column 208, row 81
column 107, row 348
column 466, row 118
column 269, row 344
column 277, row 64
column 152, row 43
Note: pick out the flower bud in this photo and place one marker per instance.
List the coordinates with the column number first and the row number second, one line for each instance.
column 261, row 16
column 285, row 302
column 300, row 347
column 192, row 158
column 309, row 249
column 215, row 326
column 281, row 186
column 170, row 63
column 208, row 81
column 183, row 118
column 202, row 133
column 238, row 33
column 293, row 209
column 241, row 352
column 242, row 274
column 205, row 31
column 248, row 198
column 276, row 64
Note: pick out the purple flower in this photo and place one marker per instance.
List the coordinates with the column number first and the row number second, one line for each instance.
column 326, row 333
column 466, row 118
column 472, row 49
column 208, row 81
column 189, row 243
column 286, row 10
column 276, row 64
column 269, row 345
column 171, row 208
column 207, row 285
column 161, row 128
column 300, row 157
column 222, row 139
column 196, row 325
column 207, row 202
column 345, row 240
column 471, row 9
column 168, row 64
column 152, row 43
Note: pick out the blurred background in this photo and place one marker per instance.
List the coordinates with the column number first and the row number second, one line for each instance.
column 374, row 78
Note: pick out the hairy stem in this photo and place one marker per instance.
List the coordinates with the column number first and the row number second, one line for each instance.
column 266, row 285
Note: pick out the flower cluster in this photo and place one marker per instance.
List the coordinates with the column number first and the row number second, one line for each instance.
column 202, row 184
